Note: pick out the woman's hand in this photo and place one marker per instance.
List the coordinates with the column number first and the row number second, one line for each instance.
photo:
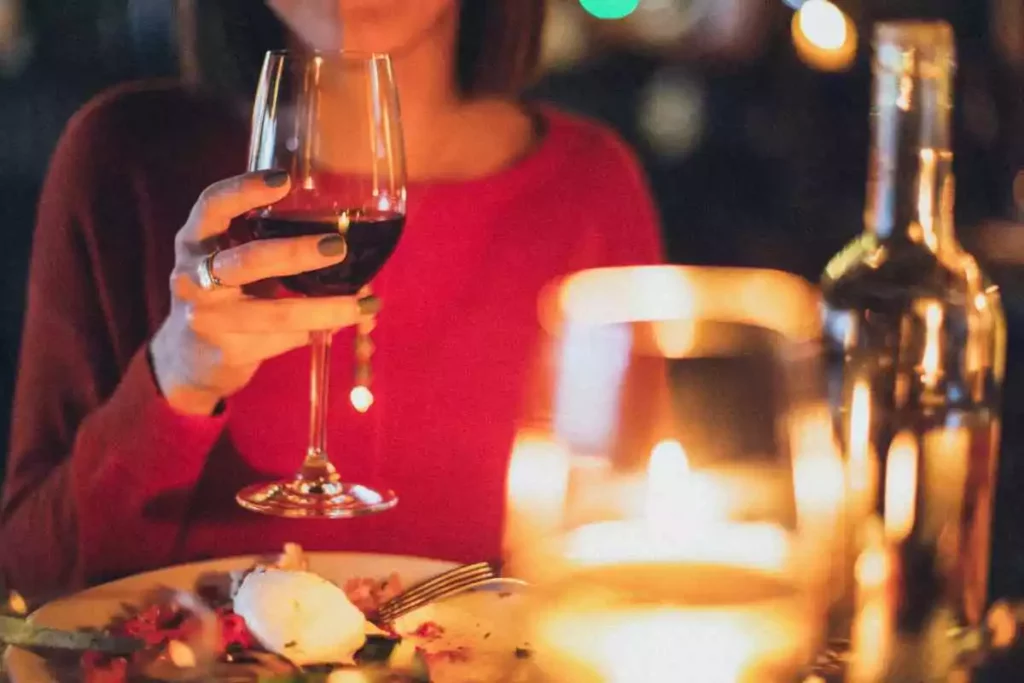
column 215, row 338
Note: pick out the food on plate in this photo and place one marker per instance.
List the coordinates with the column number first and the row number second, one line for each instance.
column 278, row 620
column 276, row 615
column 301, row 616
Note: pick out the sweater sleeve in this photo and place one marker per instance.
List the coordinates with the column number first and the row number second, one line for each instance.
column 100, row 465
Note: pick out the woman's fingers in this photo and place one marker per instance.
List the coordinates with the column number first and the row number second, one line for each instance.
column 223, row 201
column 262, row 259
column 260, row 316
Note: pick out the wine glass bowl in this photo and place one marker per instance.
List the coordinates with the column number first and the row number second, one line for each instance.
column 332, row 122
column 371, row 238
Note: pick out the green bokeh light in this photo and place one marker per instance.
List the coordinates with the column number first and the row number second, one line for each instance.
column 610, row 9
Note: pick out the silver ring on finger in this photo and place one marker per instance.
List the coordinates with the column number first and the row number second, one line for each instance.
column 208, row 280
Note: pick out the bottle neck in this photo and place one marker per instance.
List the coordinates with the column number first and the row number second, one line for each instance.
column 910, row 188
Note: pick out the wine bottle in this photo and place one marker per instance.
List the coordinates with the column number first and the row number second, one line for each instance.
column 915, row 340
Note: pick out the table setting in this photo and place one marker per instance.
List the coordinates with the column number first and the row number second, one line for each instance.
column 726, row 475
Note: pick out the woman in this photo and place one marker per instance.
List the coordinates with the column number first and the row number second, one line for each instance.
column 141, row 409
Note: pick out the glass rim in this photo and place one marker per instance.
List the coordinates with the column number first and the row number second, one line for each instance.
column 711, row 293
column 354, row 55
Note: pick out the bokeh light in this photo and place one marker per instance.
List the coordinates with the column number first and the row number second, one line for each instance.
column 672, row 114
column 361, row 398
column 610, row 9
column 824, row 36
column 666, row 22
column 823, row 24
column 566, row 40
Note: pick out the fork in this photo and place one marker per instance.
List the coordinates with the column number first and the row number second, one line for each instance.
column 442, row 586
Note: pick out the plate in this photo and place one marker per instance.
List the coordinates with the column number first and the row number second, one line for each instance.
column 485, row 622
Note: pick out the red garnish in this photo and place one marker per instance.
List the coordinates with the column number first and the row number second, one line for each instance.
column 97, row 668
column 234, row 631
column 369, row 594
column 431, row 630
column 156, row 626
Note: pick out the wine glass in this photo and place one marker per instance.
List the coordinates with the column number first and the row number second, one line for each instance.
column 331, row 119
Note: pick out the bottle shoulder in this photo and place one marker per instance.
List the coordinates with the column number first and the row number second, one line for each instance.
column 868, row 269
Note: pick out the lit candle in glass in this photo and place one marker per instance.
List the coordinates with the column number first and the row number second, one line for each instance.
column 680, row 590
column 704, row 487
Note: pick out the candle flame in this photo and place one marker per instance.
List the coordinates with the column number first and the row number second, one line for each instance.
column 669, row 495
column 901, row 487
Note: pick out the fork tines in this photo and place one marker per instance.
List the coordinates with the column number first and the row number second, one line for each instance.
column 441, row 586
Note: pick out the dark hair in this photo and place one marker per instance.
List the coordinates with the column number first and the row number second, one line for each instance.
column 222, row 43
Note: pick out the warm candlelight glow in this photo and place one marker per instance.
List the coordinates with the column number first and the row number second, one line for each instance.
column 819, row 487
column 538, row 480
column 823, row 23
column 931, row 360
column 861, row 461
column 538, row 475
column 609, row 296
column 873, row 625
column 901, row 487
column 708, row 624
column 684, row 519
column 818, row 466
column 698, row 563
column 669, row 496
column 824, row 36
column 675, row 338
column 925, row 198
column 945, row 479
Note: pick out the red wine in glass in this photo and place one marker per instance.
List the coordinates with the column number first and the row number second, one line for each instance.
column 371, row 238
column 331, row 119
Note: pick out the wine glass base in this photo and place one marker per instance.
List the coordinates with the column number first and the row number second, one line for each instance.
column 315, row 500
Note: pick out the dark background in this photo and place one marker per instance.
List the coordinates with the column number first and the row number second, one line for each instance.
column 769, row 170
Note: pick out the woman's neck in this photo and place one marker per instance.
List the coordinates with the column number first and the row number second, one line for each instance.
column 428, row 91
column 446, row 135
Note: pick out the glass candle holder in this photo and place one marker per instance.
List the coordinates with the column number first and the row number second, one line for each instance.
column 676, row 495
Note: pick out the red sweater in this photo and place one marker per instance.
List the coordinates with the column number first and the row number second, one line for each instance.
column 105, row 478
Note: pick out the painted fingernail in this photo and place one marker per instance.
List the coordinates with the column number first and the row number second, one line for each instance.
column 275, row 178
column 332, row 245
column 369, row 305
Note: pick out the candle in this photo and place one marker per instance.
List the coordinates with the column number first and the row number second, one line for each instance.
column 679, row 594
column 683, row 520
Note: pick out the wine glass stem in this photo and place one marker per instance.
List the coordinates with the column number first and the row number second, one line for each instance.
column 317, row 462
